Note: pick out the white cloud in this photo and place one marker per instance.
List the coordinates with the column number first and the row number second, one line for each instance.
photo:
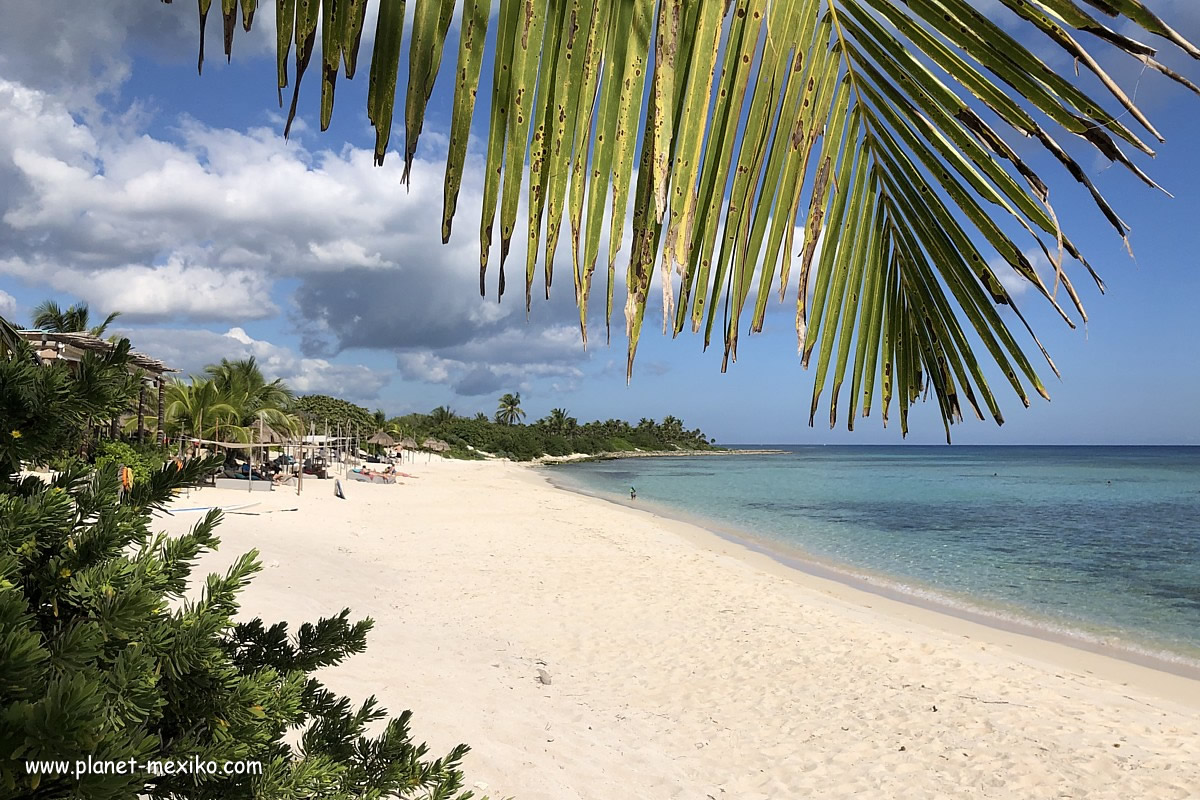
column 221, row 226
column 57, row 45
column 8, row 305
column 509, row 361
column 1016, row 283
column 204, row 227
column 191, row 350
column 148, row 293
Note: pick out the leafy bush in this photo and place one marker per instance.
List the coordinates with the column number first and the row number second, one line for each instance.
column 320, row 409
column 47, row 412
column 64, row 463
column 111, row 456
column 556, row 438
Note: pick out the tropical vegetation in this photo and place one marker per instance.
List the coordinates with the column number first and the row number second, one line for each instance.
column 197, row 409
column 109, row 648
column 319, row 410
column 49, row 316
column 232, row 402
column 101, row 387
column 871, row 150
column 508, row 410
column 556, row 434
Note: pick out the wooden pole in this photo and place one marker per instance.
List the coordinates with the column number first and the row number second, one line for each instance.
column 161, row 438
column 141, row 417
column 250, row 483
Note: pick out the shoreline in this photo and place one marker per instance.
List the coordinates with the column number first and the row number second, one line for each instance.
column 579, row 458
column 678, row 664
column 859, row 587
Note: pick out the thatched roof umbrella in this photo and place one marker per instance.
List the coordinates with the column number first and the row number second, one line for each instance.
column 439, row 446
column 382, row 438
column 408, row 443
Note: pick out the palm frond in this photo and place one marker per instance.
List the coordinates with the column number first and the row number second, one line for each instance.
column 883, row 128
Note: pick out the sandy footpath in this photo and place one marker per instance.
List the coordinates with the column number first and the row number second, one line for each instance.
column 682, row 665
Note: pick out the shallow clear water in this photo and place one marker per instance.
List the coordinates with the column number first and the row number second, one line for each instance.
column 1101, row 542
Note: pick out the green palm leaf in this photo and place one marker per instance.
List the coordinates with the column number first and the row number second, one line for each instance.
column 886, row 129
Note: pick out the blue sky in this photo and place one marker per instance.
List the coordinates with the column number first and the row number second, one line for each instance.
column 129, row 182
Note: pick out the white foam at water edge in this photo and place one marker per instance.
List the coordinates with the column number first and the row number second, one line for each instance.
column 1107, row 642
column 1110, row 640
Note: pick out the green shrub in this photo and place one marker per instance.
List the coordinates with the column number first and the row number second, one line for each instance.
column 111, row 456
column 153, row 455
column 321, row 410
column 557, row 436
column 64, row 463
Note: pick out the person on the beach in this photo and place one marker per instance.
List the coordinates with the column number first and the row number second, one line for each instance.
column 632, row 493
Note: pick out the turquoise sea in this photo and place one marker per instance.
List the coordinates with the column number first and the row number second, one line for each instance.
column 1098, row 544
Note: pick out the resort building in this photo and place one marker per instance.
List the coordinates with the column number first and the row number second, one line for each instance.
column 71, row 347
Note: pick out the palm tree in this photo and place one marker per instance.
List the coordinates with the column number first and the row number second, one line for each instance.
column 199, row 409
column 243, row 387
column 557, row 420
column 442, row 415
column 862, row 117
column 243, row 381
column 48, row 316
column 509, row 412
column 481, row 417
column 671, row 428
column 400, row 430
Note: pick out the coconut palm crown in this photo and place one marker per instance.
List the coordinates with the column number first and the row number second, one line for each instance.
column 242, row 385
column 233, row 401
column 858, row 154
column 508, row 410
column 49, row 316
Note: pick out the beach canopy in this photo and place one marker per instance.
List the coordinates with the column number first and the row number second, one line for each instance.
column 267, row 436
column 437, row 445
column 382, row 438
column 408, row 443
column 51, row 346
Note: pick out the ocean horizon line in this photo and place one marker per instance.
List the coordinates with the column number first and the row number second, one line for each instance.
column 941, row 446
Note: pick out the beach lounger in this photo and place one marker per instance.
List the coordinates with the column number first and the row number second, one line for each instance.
column 370, row 477
column 241, row 484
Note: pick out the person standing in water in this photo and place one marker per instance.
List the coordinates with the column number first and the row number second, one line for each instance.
column 632, row 493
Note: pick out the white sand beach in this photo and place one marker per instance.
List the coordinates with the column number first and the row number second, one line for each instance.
column 682, row 665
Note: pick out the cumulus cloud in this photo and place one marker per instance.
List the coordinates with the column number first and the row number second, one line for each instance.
column 190, row 350
column 156, row 293
column 205, row 225
column 479, row 380
column 98, row 197
column 57, row 46
column 511, row 360
column 8, row 305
